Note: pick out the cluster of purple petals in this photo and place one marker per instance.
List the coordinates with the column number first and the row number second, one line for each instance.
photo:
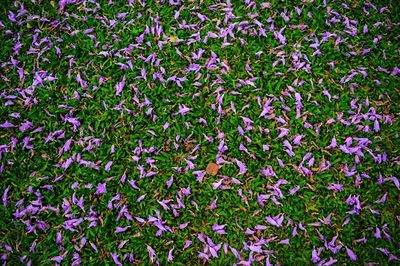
column 45, row 118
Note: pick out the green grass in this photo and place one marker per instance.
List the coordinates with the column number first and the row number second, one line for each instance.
column 27, row 172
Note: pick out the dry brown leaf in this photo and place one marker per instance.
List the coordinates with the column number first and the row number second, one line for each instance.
column 317, row 224
column 212, row 169
column 241, row 209
column 311, row 187
column 380, row 103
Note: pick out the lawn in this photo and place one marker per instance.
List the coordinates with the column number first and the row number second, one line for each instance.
column 199, row 132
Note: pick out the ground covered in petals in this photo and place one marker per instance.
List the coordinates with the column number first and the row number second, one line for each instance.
column 199, row 132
